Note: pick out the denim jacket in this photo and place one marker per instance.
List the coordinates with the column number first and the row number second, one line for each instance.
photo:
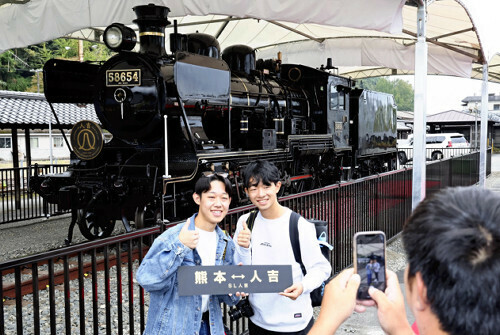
column 168, row 312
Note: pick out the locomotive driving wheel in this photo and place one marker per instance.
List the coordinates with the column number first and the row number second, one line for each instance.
column 94, row 225
column 147, row 217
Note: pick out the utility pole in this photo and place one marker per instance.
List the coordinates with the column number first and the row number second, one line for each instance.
column 80, row 51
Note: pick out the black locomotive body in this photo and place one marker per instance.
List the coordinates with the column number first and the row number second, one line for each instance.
column 213, row 114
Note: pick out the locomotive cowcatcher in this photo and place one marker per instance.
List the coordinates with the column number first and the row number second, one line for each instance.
column 175, row 116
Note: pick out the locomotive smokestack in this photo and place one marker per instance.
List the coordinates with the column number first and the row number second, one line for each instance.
column 152, row 21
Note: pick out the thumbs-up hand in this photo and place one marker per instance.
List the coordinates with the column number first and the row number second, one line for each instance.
column 244, row 236
column 189, row 237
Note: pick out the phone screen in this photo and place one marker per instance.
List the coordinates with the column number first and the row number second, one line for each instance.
column 370, row 261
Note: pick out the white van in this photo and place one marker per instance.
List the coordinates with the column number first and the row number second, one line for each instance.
column 438, row 146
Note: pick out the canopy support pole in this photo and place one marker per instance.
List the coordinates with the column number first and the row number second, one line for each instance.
column 420, row 108
column 484, row 128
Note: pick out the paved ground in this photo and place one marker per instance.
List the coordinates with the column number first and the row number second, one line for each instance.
column 493, row 181
column 495, row 163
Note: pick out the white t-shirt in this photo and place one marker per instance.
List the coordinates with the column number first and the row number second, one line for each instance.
column 270, row 245
column 206, row 248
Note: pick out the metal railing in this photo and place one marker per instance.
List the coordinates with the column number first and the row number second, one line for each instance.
column 94, row 281
column 17, row 202
column 405, row 154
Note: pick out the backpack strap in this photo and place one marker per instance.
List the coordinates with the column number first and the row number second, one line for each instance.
column 251, row 218
column 225, row 248
column 293, row 227
column 294, row 239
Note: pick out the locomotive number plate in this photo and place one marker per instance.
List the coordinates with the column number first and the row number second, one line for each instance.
column 131, row 77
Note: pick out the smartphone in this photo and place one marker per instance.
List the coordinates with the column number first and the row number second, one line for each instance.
column 369, row 261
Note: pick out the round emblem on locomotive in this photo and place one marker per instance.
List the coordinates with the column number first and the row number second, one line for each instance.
column 87, row 139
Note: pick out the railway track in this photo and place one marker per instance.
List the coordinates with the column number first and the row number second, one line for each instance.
column 71, row 272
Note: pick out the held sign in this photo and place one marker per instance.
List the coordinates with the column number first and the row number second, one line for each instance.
column 198, row 280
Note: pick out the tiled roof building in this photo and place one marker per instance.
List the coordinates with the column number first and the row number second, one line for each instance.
column 31, row 110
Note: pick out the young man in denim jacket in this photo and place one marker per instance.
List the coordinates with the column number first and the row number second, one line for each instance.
column 198, row 241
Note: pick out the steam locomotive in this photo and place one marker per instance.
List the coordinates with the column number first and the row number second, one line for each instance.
column 195, row 111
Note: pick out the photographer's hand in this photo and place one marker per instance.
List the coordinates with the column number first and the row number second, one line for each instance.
column 293, row 291
column 391, row 306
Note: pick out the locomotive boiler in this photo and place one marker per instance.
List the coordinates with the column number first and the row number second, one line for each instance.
column 196, row 110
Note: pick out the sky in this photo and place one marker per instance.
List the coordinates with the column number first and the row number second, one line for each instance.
column 446, row 93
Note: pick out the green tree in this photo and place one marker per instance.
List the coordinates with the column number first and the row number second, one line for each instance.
column 13, row 73
column 403, row 91
column 18, row 66
column 95, row 52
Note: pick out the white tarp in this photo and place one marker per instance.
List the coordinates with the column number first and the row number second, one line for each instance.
column 376, row 35
column 43, row 20
column 485, row 17
column 370, row 52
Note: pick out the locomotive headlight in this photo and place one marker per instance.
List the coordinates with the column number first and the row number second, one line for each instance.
column 113, row 37
column 119, row 37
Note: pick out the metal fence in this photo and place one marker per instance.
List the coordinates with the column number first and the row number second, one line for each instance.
column 405, row 154
column 90, row 288
column 17, row 202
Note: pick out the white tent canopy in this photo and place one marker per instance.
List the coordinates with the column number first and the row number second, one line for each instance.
column 364, row 38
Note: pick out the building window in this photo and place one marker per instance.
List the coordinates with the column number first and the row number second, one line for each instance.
column 58, row 142
column 496, row 107
column 34, row 142
column 6, row 142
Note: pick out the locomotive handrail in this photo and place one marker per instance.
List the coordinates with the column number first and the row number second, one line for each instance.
column 117, row 166
column 166, row 175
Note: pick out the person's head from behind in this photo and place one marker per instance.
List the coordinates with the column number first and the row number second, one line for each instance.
column 213, row 195
column 262, row 183
column 452, row 241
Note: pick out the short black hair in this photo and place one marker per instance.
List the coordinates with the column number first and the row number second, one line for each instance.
column 453, row 240
column 258, row 171
column 204, row 184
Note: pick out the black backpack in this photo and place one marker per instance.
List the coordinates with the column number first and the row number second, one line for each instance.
column 317, row 293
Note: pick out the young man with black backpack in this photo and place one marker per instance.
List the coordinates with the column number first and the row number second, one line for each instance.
column 268, row 243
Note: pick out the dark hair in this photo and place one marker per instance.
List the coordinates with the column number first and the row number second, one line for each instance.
column 204, row 184
column 258, row 171
column 453, row 240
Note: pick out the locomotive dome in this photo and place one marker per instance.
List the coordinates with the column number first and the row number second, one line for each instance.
column 203, row 44
column 240, row 58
